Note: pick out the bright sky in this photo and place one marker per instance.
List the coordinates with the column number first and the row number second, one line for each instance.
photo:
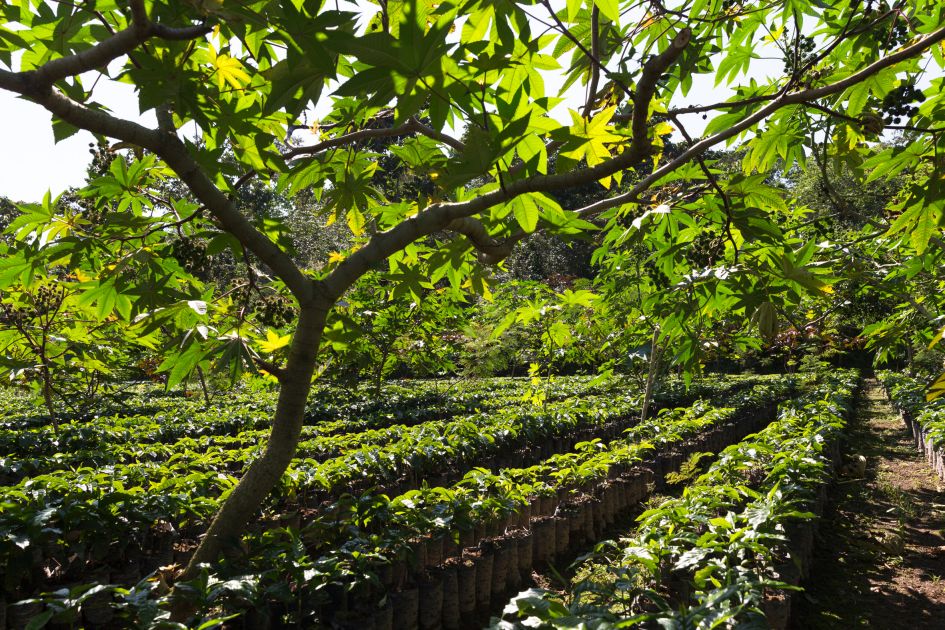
column 31, row 163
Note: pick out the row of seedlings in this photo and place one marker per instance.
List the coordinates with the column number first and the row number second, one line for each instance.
column 157, row 419
column 121, row 447
column 405, row 553
column 731, row 550
column 925, row 419
column 149, row 506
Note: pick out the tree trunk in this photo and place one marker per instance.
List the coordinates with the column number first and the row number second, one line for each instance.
column 266, row 471
column 379, row 373
column 203, row 385
column 651, row 374
column 47, row 397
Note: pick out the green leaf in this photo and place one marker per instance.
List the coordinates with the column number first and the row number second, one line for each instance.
column 526, row 212
column 62, row 130
column 180, row 365
column 610, row 9
column 40, row 620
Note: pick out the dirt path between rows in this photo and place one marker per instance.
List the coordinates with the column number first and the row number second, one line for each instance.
column 880, row 556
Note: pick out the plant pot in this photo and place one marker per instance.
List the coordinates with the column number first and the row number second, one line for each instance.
column 534, row 508
column 576, row 520
column 544, row 533
column 562, row 535
column 484, row 564
column 467, row 538
column 406, row 608
column 451, row 608
column 524, row 515
column 398, row 571
column 600, row 524
column 500, row 567
column 607, row 500
column 620, row 495
column 431, row 602
column 548, row 505
column 514, row 579
column 418, row 554
column 451, row 548
column 466, row 587
column 434, row 551
column 525, row 551
column 587, row 511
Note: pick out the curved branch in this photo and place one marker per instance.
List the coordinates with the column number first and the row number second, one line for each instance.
column 699, row 109
column 438, row 216
column 169, row 148
column 121, row 43
column 595, row 67
column 646, row 87
column 790, row 98
column 411, row 126
column 348, row 138
column 491, row 251
column 593, row 58
column 439, row 136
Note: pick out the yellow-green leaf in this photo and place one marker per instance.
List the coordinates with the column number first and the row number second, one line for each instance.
column 609, row 8
column 230, row 71
column 936, row 389
column 274, row 341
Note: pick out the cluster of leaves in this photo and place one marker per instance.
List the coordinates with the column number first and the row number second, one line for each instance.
column 712, row 555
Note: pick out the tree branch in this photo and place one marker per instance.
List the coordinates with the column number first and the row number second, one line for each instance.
column 595, row 67
column 595, row 61
column 121, row 43
column 783, row 100
column 646, row 87
column 491, row 251
column 347, row 139
column 439, row 136
column 170, row 148
column 411, row 126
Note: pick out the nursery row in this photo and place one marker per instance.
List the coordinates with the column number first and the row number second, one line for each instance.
column 391, row 544
column 730, row 550
column 44, row 516
column 148, row 416
column 517, row 417
column 925, row 419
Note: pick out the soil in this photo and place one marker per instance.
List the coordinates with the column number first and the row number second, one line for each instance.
column 879, row 560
